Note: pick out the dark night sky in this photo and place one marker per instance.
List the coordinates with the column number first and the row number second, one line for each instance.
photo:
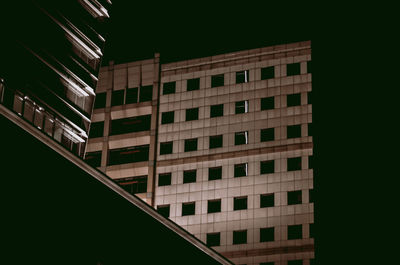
column 198, row 29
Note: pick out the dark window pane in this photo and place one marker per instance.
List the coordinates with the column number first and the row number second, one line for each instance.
column 100, row 101
column 310, row 133
column 267, row 263
column 163, row 210
column 215, row 141
column 132, row 124
column 267, row 73
column 267, row 134
column 309, row 97
column 192, row 114
column 267, row 200
column 167, row 117
column 146, row 93
column 164, row 179
column 96, row 129
column 117, row 98
column 267, row 103
column 311, row 195
column 239, row 203
column 214, row 173
column 213, row 239
column 267, row 167
column 131, row 95
column 309, row 65
column 267, row 234
column 193, row 84
column 214, row 206
column 190, row 145
column 295, row 262
column 189, row 176
column 166, row 148
column 240, row 170
column 240, row 237
column 93, row 159
column 294, row 163
column 294, row 197
column 311, row 228
column 312, row 261
column 293, row 131
column 217, row 110
column 133, row 185
column 293, row 100
column 310, row 162
column 217, row 80
column 242, row 77
column 128, row 155
column 242, row 107
column 293, row 69
column 241, row 138
column 188, row 208
column 295, row 232
column 169, row 88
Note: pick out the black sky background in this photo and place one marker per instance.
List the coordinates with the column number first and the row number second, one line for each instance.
column 186, row 30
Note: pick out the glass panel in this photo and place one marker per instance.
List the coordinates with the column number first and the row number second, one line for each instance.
column 18, row 102
column 28, row 110
column 38, row 121
column 48, row 125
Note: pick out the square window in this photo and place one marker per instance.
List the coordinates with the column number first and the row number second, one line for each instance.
column 293, row 100
column 293, row 69
column 294, row 197
column 310, row 162
column 214, row 206
column 239, row 203
column 311, row 195
column 192, row 114
column 215, row 141
column 311, row 227
column 189, row 176
column 188, row 208
column 267, row 234
column 217, row 80
column 217, row 110
column 267, row 167
column 267, row 134
column 96, row 129
column 240, row 237
column 169, row 88
column 295, row 232
column 213, row 239
column 295, row 262
column 267, row 72
column 240, row 170
column 191, row 145
column 241, row 138
column 100, row 100
column 167, row 117
column 309, row 97
column 267, row 103
column 146, row 93
column 214, row 173
column 309, row 64
column 293, row 131
column 310, row 133
column 164, row 179
column 193, row 84
column 163, row 210
column 267, row 200
column 294, row 163
column 242, row 107
column 166, row 148
column 131, row 95
column 117, row 98
column 242, row 77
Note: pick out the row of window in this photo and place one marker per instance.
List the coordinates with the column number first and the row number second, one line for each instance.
column 240, row 170
column 239, row 203
column 125, row 96
column 267, row 103
column 241, row 77
column 216, row 141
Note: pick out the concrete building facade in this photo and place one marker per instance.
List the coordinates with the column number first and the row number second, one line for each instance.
column 223, row 147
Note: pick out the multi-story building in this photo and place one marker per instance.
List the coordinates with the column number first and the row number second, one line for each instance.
column 221, row 145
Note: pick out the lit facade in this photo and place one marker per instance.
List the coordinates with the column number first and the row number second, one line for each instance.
column 223, row 147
